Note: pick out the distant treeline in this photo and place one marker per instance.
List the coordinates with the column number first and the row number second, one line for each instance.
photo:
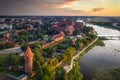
column 107, row 25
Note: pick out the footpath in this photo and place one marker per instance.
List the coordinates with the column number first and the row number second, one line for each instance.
column 69, row 67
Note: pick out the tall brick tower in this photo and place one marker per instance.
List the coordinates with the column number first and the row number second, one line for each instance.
column 28, row 57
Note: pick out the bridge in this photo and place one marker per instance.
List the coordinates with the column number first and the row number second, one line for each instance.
column 111, row 37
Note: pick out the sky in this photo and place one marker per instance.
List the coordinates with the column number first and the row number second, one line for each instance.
column 60, row 7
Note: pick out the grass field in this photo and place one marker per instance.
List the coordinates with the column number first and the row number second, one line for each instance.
column 55, row 44
column 3, row 56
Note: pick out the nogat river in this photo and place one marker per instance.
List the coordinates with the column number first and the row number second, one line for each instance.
column 97, row 63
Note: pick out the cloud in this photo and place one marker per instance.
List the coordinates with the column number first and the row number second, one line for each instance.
column 56, row 7
column 68, row 1
column 46, row 5
column 97, row 9
column 11, row 5
column 55, row 4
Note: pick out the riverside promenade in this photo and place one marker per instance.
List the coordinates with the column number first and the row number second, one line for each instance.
column 69, row 67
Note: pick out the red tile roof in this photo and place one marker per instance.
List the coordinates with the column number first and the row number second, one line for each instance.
column 18, row 31
column 66, row 22
column 78, row 25
column 59, row 36
column 28, row 53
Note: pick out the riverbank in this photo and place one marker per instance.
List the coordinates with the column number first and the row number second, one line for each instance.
column 108, row 25
column 69, row 67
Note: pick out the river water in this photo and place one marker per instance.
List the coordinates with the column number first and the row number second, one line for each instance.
column 97, row 63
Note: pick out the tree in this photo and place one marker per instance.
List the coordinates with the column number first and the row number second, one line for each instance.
column 50, row 52
column 69, row 52
column 92, row 36
column 15, row 36
column 60, row 74
column 86, row 42
column 23, row 33
column 38, row 56
column 39, row 71
column 2, row 45
column 24, row 47
column 42, row 69
column 46, row 77
column 36, row 25
column 63, row 57
column 86, row 29
column 9, row 44
column 31, row 38
column 75, row 74
column 35, row 45
column 40, row 34
column 1, row 35
column 116, row 73
column 13, row 59
column 53, row 62
column 89, row 39
column 42, row 72
column 79, row 45
column 24, row 38
column 76, row 32
column 61, row 46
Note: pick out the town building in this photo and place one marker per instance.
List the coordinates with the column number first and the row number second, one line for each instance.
column 59, row 36
column 78, row 25
column 29, row 28
column 69, row 30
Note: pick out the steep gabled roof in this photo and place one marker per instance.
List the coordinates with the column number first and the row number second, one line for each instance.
column 28, row 52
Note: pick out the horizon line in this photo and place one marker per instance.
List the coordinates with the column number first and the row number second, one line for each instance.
column 61, row 15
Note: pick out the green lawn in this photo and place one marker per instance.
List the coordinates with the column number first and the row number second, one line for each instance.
column 3, row 56
column 55, row 44
column 15, row 73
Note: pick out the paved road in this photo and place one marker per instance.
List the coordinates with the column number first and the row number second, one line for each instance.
column 13, row 50
column 2, row 32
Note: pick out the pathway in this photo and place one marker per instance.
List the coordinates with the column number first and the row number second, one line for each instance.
column 69, row 67
column 14, row 49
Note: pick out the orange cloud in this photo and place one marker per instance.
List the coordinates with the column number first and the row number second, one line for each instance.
column 69, row 7
column 98, row 9
column 45, row 5
column 55, row 5
column 63, row 2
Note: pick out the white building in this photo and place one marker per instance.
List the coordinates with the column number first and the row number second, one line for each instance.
column 5, row 26
column 9, row 27
column 2, row 19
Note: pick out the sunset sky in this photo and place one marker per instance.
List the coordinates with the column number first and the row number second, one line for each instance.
column 60, row 7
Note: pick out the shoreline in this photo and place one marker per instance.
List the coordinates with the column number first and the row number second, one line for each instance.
column 69, row 67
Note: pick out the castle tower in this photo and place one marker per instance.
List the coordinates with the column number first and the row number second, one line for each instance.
column 28, row 57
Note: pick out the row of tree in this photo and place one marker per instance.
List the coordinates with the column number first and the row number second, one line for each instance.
column 26, row 36
column 6, row 45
